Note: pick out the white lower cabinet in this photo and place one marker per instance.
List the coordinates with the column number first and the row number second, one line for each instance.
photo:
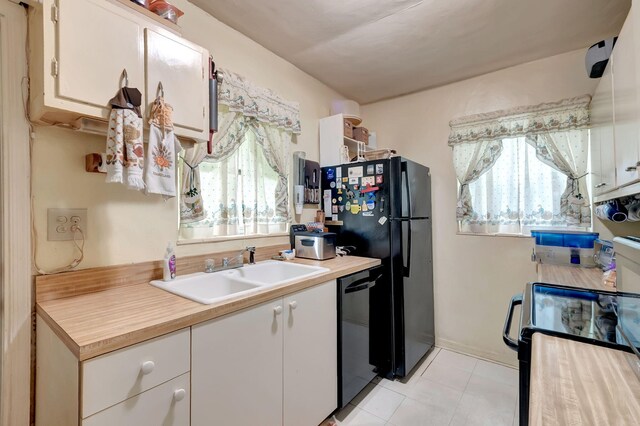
column 166, row 405
column 272, row 364
column 146, row 384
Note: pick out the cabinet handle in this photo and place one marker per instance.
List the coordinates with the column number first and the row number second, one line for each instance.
column 147, row 367
column 631, row 168
column 179, row 395
column 277, row 310
column 600, row 185
column 293, row 304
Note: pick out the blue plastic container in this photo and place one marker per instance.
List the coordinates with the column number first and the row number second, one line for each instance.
column 565, row 238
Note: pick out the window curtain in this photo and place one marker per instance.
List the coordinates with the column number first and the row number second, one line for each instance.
column 568, row 153
column 477, row 143
column 244, row 109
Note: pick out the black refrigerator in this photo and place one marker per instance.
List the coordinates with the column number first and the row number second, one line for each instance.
column 382, row 209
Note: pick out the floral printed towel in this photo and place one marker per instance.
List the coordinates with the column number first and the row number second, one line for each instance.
column 125, row 152
column 160, row 174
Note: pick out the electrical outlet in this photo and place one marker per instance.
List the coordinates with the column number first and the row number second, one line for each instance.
column 62, row 223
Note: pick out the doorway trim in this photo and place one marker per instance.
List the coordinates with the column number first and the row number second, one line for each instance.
column 15, row 249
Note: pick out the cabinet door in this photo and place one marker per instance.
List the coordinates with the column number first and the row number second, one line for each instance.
column 182, row 69
column 166, row 405
column 625, row 102
column 603, row 166
column 95, row 42
column 310, row 355
column 236, row 368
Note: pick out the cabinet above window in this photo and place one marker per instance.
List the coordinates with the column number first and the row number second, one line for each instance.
column 79, row 50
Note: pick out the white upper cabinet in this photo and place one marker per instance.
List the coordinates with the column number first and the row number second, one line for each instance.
column 182, row 68
column 79, row 50
column 626, row 109
column 615, row 117
column 95, row 42
column 602, row 135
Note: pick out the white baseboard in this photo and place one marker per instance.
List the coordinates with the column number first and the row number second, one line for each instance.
column 508, row 360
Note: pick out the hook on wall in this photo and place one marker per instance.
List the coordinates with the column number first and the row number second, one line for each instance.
column 160, row 91
column 125, row 78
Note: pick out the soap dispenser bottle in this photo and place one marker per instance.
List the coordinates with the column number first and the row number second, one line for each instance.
column 169, row 263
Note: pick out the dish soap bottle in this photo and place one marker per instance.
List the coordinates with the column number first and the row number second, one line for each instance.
column 169, row 264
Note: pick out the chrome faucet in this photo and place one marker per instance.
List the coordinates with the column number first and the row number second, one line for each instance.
column 231, row 263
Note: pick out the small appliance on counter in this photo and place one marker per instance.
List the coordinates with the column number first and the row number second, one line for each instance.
column 315, row 245
column 295, row 229
column 572, row 248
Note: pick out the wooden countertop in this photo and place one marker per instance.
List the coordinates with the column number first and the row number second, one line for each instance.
column 574, row 383
column 92, row 324
column 589, row 278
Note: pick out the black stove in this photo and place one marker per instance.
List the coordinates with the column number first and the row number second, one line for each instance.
column 601, row 318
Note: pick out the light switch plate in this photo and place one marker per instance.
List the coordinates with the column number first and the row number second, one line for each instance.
column 61, row 224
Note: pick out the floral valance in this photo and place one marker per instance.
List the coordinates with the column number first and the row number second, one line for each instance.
column 242, row 96
column 567, row 114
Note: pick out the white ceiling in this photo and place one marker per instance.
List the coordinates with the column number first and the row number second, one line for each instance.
column 370, row 50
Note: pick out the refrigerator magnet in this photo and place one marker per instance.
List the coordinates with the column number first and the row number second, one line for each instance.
column 382, row 220
column 371, row 204
column 370, row 169
column 345, row 180
column 339, row 172
column 348, row 205
column 354, row 180
column 379, row 169
column 334, row 201
column 367, row 214
column 332, row 184
column 364, row 206
column 340, row 191
column 341, row 208
column 378, row 179
column 334, row 209
column 330, row 174
column 339, row 198
column 355, row 172
column 369, row 180
column 355, row 208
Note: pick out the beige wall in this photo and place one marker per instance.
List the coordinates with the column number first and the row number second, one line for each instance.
column 126, row 226
column 475, row 276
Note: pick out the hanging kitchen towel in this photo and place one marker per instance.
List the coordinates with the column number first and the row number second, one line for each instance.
column 160, row 173
column 125, row 152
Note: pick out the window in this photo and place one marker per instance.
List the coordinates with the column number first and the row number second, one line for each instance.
column 519, row 192
column 523, row 168
column 241, row 188
column 238, row 195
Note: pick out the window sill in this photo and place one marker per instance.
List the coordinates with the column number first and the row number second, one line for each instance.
column 230, row 238
column 476, row 234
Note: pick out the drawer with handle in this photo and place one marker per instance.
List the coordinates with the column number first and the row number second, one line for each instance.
column 116, row 376
column 167, row 405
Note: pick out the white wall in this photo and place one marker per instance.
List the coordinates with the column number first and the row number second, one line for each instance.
column 126, row 226
column 475, row 276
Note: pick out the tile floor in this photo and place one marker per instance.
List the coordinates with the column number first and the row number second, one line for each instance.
column 447, row 388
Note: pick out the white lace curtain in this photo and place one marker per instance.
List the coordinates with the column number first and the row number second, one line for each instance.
column 556, row 130
column 244, row 110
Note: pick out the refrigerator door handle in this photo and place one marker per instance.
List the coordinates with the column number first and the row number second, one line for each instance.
column 405, row 173
column 406, row 270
